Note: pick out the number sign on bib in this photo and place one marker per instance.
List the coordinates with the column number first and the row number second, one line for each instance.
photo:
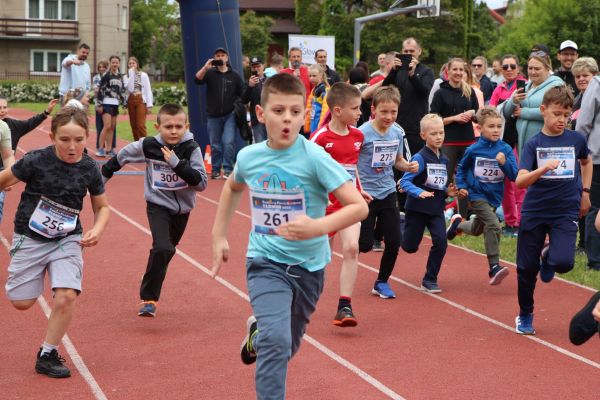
column 273, row 208
column 53, row 220
column 566, row 161
column 351, row 169
column 437, row 176
column 487, row 170
column 163, row 177
column 384, row 153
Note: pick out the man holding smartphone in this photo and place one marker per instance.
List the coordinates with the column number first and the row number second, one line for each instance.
column 223, row 87
column 252, row 93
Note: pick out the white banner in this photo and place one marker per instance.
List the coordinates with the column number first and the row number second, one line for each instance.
column 311, row 43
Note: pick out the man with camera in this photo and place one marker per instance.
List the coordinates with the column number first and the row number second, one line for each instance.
column 321, row 58
column 252, row 94
column 297, row 69
column 223, row 87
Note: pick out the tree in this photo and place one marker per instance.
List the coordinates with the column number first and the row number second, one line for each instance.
column 308, row 16
column 255, row 33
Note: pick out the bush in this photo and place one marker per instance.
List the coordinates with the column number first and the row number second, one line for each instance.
column 43, row 92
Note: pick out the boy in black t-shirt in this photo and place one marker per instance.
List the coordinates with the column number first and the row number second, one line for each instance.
column 557, row 169
column 48, row 233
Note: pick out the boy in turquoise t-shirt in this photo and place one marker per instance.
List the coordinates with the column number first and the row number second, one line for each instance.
column 288, row 247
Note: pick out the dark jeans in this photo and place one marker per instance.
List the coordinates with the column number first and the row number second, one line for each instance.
column 414, row 228
column 167, row 230
column 385, row 212
column 562, row 232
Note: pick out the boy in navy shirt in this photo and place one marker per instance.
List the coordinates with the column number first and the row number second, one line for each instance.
column 480, row 177
column 426, row 190
column 558, row 194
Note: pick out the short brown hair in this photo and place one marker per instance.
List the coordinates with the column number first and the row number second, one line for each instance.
column 282, row 84
column 560, row 95
column 66, row 115
column 102, row 63
column 386, row 94
column 340, row 93
column 170, row 109
column 487, row 112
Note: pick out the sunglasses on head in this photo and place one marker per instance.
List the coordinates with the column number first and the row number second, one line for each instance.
column 507, row 66
column 538, row 53
column 476, row 65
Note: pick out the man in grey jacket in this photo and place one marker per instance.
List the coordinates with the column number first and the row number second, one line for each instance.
column 588, row 123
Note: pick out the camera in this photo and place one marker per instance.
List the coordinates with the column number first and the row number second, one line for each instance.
column 405, row 59
column 217, row 63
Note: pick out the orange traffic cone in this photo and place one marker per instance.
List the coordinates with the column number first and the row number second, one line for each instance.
column 207, row 160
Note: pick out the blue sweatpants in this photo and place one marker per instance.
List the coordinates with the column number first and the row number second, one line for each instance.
column 562, row 232
column 414, row 227
column 283, row 297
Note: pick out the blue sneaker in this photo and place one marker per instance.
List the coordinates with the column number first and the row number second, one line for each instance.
column 524, row 325
column 452, row 230
column 148, row 309
column 383, row 290
column 247, row 352
column 430, row 287
column 546, row 273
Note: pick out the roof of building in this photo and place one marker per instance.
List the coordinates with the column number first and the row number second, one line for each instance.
column 267, row 5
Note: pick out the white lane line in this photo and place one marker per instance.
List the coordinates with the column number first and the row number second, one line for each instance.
column 457, row 306
column 319, row 346
column 69, row 346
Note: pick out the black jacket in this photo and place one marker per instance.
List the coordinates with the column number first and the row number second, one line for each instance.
column 414, row 96
column 569, row 79
column 449, row 101
column 18, row 128
column 487, row 87
column 222, row 89
column 252, row 95
column 332, row 76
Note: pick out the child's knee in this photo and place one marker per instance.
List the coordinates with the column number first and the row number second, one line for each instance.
column 277, row 341
column 64, row 298
column 364, row 246
column 410, row 247
column 350, row 249
column 23, row 304
column 166, row 249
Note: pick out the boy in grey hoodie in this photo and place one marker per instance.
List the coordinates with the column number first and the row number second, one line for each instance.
column 174, row 173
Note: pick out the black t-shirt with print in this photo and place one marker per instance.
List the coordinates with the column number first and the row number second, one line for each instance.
column 64, row 183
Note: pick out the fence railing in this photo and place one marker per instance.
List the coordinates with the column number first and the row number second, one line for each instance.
column 27, row 27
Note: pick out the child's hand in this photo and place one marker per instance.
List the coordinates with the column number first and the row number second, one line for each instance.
column 368, row 198
column 301, row 228
column 552, row 165
column 220, row 255
column 167, row 153
column 463, row 193
column 501, row 158
column 90, row 238
column 424, row 194
column 413, row 167
column 452, row 190
column 585, row 205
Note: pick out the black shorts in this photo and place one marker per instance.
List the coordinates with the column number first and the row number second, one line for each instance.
column 110, row 109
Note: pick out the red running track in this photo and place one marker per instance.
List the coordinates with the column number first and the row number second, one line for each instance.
column 457, row 345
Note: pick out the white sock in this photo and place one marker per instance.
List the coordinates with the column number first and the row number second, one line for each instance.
column 47, row 348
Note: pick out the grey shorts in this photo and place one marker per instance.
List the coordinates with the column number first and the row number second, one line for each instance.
column 32, row 258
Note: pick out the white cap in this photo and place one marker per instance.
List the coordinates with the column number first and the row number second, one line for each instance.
column 74, row 103
column 568, row 44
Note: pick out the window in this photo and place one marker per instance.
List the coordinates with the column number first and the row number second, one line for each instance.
column 124, row 20
column 47, row 60
column 52, row 9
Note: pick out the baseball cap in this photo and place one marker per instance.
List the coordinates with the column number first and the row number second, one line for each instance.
column 540, row 47
column 568, row 44
column 255, row 60
column 220, row 49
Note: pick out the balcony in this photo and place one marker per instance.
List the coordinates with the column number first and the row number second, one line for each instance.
column 39, row 29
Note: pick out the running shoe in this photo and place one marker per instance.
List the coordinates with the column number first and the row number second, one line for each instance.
column 100, row 153
column 111, row 153
column 546, row 273
column 51, row 364
column 497, row 274
column 215, row 175
column 148, row 309
column 430, row 287
column 524, row 324
column 248, row 352
column 226, row 174
column 377, row 246
column 345, row 317
column 383, row 290
column 583, row 325
column 452, row 230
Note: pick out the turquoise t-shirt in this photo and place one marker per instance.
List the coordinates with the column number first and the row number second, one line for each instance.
column 283, row 184
column 376, row 175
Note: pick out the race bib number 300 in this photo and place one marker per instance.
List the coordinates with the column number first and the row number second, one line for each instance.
column 163, row 177
column 271, row 209
column 384, row 153
column 487, row 170
column 566, row 161
column 53, row 220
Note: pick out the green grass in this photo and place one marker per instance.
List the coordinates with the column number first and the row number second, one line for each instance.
column 508, row 251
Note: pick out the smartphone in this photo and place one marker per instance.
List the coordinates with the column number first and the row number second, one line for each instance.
column 521, row 85
column 405, row 59
column 217, row 63
column 254, row 73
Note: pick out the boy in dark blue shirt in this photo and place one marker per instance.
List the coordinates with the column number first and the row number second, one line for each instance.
column 480, row 177
column 558, row 194
column 426, row 190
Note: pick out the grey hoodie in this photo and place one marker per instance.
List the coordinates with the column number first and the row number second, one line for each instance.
column 587, row 123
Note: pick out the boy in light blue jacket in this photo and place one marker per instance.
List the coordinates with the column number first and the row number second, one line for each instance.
column 480, row 177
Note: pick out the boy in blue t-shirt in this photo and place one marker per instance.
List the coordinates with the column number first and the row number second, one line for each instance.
column 288, row 247
column 382, row 149
column 480, row 178
column 554, row 200
column 427, row 189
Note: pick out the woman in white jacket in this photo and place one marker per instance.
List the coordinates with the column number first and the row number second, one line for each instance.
column 140, row 100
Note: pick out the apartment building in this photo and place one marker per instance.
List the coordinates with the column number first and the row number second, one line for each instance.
column 35, row 35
